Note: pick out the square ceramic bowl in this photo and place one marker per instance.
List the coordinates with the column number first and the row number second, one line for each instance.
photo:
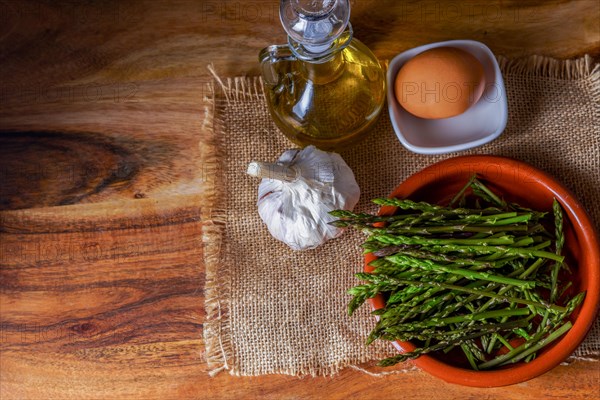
column 481, row 123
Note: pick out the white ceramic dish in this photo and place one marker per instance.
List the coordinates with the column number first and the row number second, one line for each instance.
column 480, row 124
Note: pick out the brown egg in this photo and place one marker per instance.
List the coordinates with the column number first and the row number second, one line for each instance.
column 440, row 83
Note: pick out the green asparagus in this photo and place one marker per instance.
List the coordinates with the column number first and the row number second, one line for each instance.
column 482, row 277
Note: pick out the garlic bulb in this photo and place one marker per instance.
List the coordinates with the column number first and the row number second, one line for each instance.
column 297, row 193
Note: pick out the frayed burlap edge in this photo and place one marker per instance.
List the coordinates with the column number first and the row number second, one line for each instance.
column 217, row 334
column 217, row 337
column 579, row 68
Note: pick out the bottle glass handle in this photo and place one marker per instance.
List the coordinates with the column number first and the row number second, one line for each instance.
column 269, row 57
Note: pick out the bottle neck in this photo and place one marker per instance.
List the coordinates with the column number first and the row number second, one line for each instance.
column 319, row 54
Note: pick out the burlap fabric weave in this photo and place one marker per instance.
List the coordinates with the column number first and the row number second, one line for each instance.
column 274, row 310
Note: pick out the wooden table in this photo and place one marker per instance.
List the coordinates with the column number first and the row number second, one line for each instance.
column 101, row 187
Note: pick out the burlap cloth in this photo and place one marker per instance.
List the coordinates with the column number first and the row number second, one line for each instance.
column 273, row 310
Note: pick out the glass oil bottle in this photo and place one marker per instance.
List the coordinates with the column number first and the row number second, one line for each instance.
column 324, row 87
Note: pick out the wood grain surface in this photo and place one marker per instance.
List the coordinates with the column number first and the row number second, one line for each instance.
column 102, row 171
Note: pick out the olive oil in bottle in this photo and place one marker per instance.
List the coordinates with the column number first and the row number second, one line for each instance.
column 324, row 88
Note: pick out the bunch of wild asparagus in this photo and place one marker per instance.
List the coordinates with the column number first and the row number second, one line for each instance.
column 480, row 275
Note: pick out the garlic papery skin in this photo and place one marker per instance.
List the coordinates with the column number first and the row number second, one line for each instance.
column 297, row 193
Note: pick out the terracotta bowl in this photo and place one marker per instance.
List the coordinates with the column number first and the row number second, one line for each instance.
column 521, row 183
